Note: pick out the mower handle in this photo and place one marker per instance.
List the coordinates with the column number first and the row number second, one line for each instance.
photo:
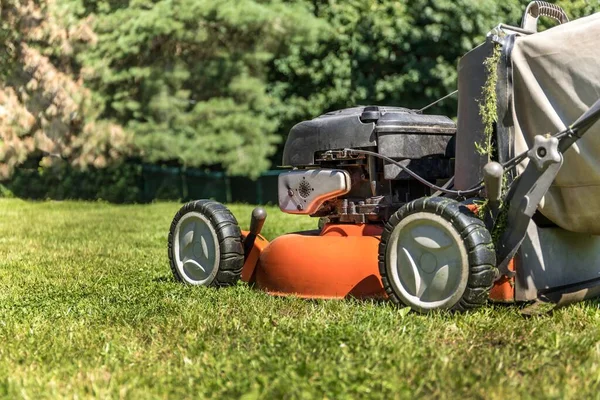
column 581, row 126
column 537, row 9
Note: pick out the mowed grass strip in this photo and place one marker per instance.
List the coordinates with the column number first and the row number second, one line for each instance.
column 89, row 309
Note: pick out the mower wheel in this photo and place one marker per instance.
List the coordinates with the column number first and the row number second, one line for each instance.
column 436, row 254
column 205, row 245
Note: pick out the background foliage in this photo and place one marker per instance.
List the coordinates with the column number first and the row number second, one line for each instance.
column 217, row 84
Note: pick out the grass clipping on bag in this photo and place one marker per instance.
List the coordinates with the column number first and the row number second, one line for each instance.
column 488, row 109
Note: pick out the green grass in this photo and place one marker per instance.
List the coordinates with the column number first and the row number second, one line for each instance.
column 89, row 309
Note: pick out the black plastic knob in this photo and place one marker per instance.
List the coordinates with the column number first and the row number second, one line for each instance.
column 370, row 114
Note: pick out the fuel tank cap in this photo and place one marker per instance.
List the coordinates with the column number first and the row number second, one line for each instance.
column 370, row 114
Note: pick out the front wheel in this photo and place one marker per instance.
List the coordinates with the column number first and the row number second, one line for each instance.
column 205, row 245
column 436, row 254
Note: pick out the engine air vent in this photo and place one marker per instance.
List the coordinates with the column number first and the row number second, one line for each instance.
column 304, row 189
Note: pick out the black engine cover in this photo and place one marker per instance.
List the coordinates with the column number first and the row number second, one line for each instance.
column 396, row 132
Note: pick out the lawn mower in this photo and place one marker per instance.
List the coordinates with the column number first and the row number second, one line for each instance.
column 429, row 213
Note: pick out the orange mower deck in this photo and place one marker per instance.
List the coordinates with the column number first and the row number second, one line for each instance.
column 340, row 261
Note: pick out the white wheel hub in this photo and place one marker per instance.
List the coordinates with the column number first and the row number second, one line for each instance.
column 196, row 249
column 427, row 262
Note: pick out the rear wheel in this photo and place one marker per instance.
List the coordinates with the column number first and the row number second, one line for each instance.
column 205, row 245
column 436, row 254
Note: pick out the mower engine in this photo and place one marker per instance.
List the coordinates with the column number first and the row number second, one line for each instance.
column 345, row 187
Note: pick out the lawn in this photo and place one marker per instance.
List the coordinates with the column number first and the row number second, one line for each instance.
column 89, row 309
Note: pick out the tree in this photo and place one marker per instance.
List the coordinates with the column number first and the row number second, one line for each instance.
column 189, row 77
column 46, row 114
column 385, row 52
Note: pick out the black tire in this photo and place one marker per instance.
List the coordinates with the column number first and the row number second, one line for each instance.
column 470, row 232
column 224, row 228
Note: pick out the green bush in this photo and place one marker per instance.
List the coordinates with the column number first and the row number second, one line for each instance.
column 116, row 184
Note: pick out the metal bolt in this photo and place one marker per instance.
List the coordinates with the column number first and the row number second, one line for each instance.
column 345, row 206
column 352, row 208
column 541, row 152
column 290, row 192
column 299, row 207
